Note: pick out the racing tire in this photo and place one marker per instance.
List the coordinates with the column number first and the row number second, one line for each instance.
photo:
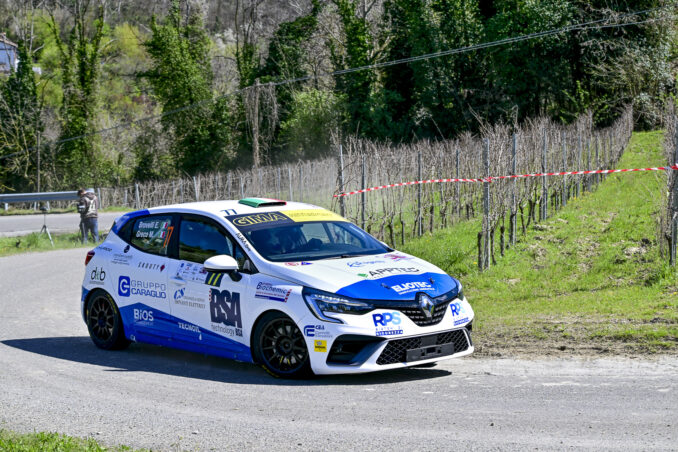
column 104, row 322
column 279, row 346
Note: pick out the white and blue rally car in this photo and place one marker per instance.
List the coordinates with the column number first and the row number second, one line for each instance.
column 291, row 286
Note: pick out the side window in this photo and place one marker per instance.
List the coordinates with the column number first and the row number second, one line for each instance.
column 200, row 240
column 152, row 234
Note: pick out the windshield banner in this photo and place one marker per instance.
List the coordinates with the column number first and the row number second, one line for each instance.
column 254, row 221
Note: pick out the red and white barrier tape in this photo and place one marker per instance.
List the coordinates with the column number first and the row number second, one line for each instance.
column 491, row 178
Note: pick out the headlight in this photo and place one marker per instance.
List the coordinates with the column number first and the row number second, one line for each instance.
column 324, row 302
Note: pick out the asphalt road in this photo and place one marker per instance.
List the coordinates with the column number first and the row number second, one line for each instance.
column 53, row 379
column 16, row 225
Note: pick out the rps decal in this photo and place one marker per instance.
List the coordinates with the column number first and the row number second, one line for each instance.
column 97, row 276
column 268, row 291
column 128, row 286
column 412, row 287
column 457, row 310
column 387, row 323
column 225, row 310
column 382, row 272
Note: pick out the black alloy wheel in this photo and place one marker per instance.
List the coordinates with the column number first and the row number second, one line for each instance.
column 104, row 322
column 280, row 347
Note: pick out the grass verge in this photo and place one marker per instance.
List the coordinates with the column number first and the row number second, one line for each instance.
column 42, row 442
column 590, row 280
column 40, row 242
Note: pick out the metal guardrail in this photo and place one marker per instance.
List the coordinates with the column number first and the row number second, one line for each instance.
column 39, row 197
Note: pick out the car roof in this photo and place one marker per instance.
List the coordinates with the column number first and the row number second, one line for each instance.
column 231, row 207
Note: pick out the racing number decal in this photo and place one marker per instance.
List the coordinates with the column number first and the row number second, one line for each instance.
column 169, row 235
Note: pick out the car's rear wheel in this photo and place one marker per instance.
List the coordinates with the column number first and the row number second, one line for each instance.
column 280, row 346
column 104, row 322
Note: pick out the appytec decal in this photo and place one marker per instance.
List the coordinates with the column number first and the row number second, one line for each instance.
column 382, row 272
column 415, row 286
column 225, row 312
column 387, row 323
column 97, row 276
column 268, row 291
column 254, row 221
column 128, row 286
column 320, row 346
column 316, row 331
column 359, row 264
column 214, row 279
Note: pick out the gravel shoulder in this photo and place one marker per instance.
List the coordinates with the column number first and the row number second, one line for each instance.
column 54, row 379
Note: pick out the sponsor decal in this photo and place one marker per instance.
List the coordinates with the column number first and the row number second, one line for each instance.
column 179, row 294
column 243, row 241
column 192, row 272
column 410, row 287
column 363, row 264
column 396, row 257
column 387, row 323
column 225, row 310
column 214, row 279
column 381, row 272
column 104, row 248
column 121, row 259
column 461, row 321
column 457, row 308
column 296, row 264
column 250, row 222
column 188, row 327
column 128, row 286
column 150, row 266
column 143, row 316
column 268, row 291
column 320, row 345
column 97, row 276
column 229, row 212
column 316, row 331
column 313, row 215
column 126, row 249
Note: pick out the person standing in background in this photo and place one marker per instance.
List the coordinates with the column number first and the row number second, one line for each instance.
column 89, row 217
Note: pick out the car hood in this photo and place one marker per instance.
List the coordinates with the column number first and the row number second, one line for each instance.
column 389, row 276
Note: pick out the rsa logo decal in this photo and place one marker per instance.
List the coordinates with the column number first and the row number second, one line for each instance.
column 225, row 308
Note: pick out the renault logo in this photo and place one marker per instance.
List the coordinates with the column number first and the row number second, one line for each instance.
column 426, row 305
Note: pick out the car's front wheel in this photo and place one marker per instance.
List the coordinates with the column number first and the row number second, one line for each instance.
column 104, row 322
column 280, row 347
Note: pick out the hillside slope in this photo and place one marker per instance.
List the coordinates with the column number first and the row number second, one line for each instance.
column 589, row 280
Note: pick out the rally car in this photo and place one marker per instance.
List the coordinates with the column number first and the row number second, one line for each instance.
column 291, row 286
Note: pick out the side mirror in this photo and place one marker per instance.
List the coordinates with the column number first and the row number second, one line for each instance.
column 221, row 263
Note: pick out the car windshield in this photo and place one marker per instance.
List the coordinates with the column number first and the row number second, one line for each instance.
column 313, row 241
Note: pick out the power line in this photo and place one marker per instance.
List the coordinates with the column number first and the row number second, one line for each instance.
column 595, row 24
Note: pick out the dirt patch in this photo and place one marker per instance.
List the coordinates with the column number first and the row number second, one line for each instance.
column 570, row 338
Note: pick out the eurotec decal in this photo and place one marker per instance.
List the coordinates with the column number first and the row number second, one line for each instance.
column 399, row 286
column 387, row 323
column 320, row 346
column 97, row 276
column 410, row 287
column 225, row 312
column 128, row 286
column 364, row 264
column 316, row 331
column 252, row 222
column 381, row 272
column 268, row 291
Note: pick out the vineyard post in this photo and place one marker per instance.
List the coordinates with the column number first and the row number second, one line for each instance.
column 674, row 206
column 458, row 188
column 589, row 179
column 362, row 197
column 242, row 188
column 289, row 181
column 136, row 196
column 342, row 201
column 101, row 204
column 544, row 189
column 514, row 207
column 419, row 219
column 486, row 205
column 564, row 145
column 597, row 160
column 278, row 184
column 579, row 153
column 228, row 186
column 301, row 183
